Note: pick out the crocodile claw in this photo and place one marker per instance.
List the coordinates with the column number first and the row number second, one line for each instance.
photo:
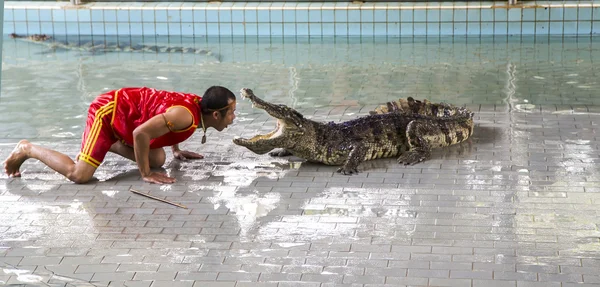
column 412, row 157
column 280, row 153
column 347, row 171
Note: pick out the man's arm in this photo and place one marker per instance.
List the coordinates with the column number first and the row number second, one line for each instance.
column 178, row 118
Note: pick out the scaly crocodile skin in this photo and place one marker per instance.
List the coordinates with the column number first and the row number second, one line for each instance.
column 406, row 128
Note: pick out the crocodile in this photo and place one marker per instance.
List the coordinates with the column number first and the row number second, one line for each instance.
column 406, row 128
column 96, row 47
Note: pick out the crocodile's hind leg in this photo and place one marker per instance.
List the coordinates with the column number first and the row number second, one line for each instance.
column 356, row 156
column 421, row 136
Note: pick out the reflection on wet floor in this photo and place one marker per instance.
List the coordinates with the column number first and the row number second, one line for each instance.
column 516, row 204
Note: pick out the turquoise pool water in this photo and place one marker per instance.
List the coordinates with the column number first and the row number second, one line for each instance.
column 517, row 204
column 45, row 92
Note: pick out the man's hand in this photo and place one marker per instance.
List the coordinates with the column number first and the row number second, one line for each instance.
column 184, row 154
column 158, row 177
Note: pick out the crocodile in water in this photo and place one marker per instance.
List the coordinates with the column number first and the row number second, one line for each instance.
column 91, row 46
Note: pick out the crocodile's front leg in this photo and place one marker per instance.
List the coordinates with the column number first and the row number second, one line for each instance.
column 280, row 153
column 355, row 157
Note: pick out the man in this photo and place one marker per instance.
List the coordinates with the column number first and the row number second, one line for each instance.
column 135, row 123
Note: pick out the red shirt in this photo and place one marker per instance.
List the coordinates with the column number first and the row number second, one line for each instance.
column 134, row 106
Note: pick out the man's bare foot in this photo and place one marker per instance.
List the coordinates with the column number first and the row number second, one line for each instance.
column 16, row 159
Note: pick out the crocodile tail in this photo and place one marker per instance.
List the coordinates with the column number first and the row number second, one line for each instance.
column 411, row 106
column 401, row 106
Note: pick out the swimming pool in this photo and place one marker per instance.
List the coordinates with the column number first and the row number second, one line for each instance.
column 45, row 93
column 518, row 203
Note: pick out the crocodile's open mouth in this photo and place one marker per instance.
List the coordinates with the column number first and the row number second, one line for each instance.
column 288, row 123
column 277, row 132
column 280, row 128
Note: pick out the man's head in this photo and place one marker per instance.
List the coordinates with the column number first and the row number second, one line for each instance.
column 218, row 107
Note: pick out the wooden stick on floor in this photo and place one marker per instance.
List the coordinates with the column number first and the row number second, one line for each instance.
column 159, row 199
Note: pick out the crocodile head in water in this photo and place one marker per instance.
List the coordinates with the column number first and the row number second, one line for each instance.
column 34, row 37
column 291, row 126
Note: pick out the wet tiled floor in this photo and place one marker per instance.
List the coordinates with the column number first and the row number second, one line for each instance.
column 517, row 205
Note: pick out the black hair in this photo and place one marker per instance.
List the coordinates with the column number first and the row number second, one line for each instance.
column 216, row 98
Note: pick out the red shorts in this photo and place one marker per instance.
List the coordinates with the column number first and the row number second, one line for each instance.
column 98, row 136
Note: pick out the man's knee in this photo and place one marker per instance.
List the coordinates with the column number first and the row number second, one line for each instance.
column 78, row 179
column 81, row 173
column 157, row 158
column 155, row 163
